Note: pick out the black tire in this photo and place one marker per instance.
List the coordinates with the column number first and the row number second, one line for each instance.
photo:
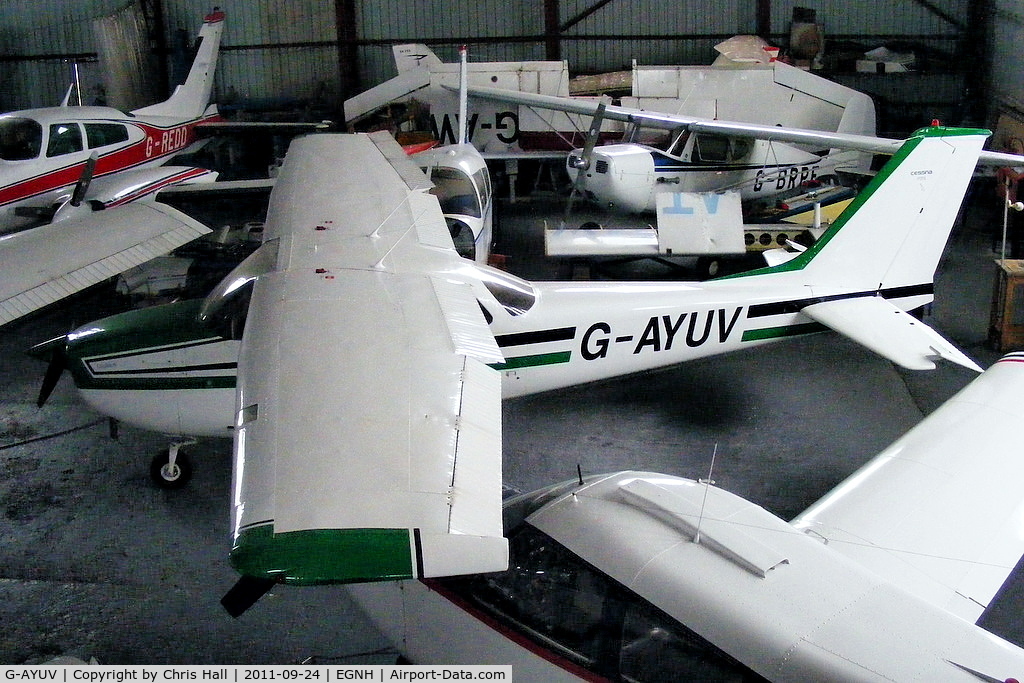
column 161, row 474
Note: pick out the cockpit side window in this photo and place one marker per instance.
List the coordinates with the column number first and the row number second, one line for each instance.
column 20, row 139
column 103, row 134
column 711, row 148
column 65, row 138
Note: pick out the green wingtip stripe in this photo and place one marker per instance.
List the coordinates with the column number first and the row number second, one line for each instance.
column 324, row 556
column 533, row 361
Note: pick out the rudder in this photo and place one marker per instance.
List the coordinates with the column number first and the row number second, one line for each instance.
column 190, row 99
column 893, row 234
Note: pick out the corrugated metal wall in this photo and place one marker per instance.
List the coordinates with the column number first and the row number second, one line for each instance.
column 276, row 52
column 1007, row 59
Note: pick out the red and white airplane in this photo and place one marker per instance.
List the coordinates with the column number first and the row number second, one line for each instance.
column 75, row 175
column 59, row 161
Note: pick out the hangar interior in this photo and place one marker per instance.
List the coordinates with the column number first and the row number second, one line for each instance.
column 99, row 562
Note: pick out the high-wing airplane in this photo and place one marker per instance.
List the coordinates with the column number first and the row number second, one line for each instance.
column 163, row 369
column 641, row 576
column 774, row 93
column 666, row 153
column 67, row 160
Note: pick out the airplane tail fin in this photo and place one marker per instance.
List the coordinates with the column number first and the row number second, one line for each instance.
column 893, row 234
column 411, row 56
column 878, row 259
column 190, row 99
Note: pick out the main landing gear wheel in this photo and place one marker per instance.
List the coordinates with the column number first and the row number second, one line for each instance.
column 171, row 468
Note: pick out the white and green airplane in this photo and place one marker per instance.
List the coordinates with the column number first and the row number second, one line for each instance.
column 165, row 370
column 367, row 388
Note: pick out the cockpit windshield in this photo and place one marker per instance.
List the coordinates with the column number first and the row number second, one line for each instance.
column 20, row 139
column 514, row 294
column 455, row 192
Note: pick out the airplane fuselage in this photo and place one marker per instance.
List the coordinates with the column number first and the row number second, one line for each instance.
column 627, row 176
column 43, row 153
column 161, row 370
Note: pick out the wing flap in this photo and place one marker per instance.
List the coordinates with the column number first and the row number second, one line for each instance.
column 888, row 331
column 49, row 263
column 940, row 512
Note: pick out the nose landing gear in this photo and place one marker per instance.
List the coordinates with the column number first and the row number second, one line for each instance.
column 171, row 468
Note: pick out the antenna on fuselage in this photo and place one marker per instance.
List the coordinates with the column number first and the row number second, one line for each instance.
column 463, row 95
column 707, row 484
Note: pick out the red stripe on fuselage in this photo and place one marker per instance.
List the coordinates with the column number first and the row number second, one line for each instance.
column 160, row 144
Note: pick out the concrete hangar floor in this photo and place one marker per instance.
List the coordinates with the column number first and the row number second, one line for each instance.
column 95, row 561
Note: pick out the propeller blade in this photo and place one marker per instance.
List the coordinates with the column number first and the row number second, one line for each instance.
column 84, row 180
column 585, row 160
column 244, row 594
column 54, row 369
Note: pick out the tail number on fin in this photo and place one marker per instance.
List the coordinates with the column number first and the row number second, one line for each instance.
column 662, row 332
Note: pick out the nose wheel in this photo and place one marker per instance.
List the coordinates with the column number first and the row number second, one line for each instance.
column 171, row 468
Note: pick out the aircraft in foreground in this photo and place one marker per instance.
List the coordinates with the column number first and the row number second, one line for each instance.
column 61, row 161
column 643, row 576
column 163, row 369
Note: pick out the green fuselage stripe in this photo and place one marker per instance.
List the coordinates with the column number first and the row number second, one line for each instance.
column 533, row 361
column 84, row 381
column 324, row 556
column 782, row 331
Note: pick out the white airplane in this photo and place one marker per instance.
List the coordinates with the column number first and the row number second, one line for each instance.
column 89, row 174
column 162, row 369
column 60, row 161
column 462, row 184
column 774, row 93
column 669, row 162
column 643, row 576
column 629, row 176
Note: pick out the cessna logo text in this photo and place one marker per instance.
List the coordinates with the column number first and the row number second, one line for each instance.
column 662, row 332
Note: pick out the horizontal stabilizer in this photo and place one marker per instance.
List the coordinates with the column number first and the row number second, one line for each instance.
column 888, row 331
column 939, row 511
column 49, row 263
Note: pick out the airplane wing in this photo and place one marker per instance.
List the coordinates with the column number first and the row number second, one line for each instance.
column 888, row 331
column 367, row 445
column 48, row 263
column 816, row 138
column 940, row 512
